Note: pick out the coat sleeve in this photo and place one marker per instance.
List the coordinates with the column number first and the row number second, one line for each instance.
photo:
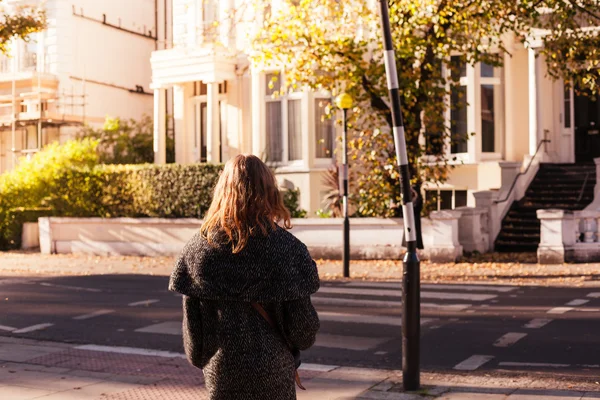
column 192, row 330
column 300, row 323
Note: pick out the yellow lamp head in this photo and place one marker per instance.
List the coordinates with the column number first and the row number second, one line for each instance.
column 344, row 101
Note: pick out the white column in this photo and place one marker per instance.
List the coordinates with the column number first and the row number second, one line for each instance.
column 182, row 134
column 473, row 110
column 532, row 90
column 212, row 124
column 160, row 127
column 258, row 113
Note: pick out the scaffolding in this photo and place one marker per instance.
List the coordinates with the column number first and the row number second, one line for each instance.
column 42, row 108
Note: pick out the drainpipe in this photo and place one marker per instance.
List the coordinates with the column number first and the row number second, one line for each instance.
column 156, row 24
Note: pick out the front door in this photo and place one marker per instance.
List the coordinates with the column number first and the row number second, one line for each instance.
column 587, row 127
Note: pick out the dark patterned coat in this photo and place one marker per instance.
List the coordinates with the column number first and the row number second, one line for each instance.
column 242, row 356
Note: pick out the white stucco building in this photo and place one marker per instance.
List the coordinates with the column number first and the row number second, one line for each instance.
column 90, row 62
column 222, row 107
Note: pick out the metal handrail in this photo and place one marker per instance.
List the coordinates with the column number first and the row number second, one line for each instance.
column 587, row 175
column 522, row 173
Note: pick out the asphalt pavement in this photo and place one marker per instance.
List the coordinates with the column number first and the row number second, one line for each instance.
column 465, row 327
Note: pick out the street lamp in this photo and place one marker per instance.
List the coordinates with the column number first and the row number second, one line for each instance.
column 411, row 280
column 344, row 102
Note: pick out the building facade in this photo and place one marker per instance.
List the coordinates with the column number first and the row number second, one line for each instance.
column 90, row 62
column 223, row 107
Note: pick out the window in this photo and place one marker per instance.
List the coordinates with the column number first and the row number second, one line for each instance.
column 476, row 106
column 294, row 130
column 283, row 122
column 200, row 128
column 567, row 105
column 458, row 107
column 30, row 138
column 209, row 18
column 273, row 119
column 324, row 130
column 490, row 106
column 446, row 199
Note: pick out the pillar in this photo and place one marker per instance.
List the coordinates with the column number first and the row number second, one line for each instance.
column 533, row 109
column 258, row 113
column 160, row 127
column 212, row 124
column 182, row 140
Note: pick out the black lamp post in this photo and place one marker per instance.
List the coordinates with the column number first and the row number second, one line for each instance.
column 411, row 291
column 344, row 102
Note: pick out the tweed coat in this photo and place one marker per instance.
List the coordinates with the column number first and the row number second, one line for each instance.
column 242, row 356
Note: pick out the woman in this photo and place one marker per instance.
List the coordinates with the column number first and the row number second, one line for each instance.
column 240, row 264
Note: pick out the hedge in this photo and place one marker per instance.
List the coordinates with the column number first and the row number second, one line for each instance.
column 167, row 191
column 12, row 226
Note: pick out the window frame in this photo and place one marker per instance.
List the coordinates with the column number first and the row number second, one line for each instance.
column 284, row 99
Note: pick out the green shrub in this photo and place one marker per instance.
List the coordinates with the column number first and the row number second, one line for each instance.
column 10, row 236
column 174, row 191
column 291, row 199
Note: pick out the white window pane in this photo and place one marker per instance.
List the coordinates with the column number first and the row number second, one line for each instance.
column 488, row 119
column 294, row 130
column 323, row 130
column 272, row 83
column 458, row 117
column 274, row 135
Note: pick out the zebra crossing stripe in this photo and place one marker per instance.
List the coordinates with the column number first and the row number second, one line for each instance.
column 472, row 363
column 396, row 293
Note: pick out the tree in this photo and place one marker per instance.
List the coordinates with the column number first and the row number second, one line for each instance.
column 336, row 46
column 19, row 22
column 127, row 142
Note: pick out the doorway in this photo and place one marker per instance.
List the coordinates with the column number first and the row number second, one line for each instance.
column 587, row 127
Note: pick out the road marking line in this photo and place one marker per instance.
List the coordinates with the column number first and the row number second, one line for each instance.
column 559, row 310
column 457, row 296
column 509, row 339
column 336, row 301
column 365, row 292
column 143, row 303
column 6, row 328
column 537, row 323
column 130, row 350
column 467, row 288
column 589, row 309
column 382, row 285
column 471, row 288
column 594, row 295
column 524, row 364
column 349, row 342
column 165, row 328
column 93, row 314
column 452, row 307
column 472, row 363
column 317, row 367
column 380, row 353
column 366, row 319
column 33, row 328
column 397, row 293
column 577, row 302
column 71, row 287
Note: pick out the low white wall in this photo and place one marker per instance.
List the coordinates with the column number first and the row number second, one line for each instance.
column 30, row 237
column 370, row 238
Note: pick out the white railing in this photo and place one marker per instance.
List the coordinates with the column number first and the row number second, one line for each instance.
column 567, row 236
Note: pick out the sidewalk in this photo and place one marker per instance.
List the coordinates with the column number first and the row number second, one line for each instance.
column 488, row 268
column 54, row 371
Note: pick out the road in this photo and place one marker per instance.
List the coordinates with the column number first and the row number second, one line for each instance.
column 464, row 327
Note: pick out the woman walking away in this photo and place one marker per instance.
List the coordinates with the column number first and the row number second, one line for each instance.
column 247, row 283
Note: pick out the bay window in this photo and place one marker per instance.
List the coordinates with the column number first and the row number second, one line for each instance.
column 294, row 120
column 476, row 106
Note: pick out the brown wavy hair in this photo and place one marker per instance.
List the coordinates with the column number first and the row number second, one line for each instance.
column 246, row 202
